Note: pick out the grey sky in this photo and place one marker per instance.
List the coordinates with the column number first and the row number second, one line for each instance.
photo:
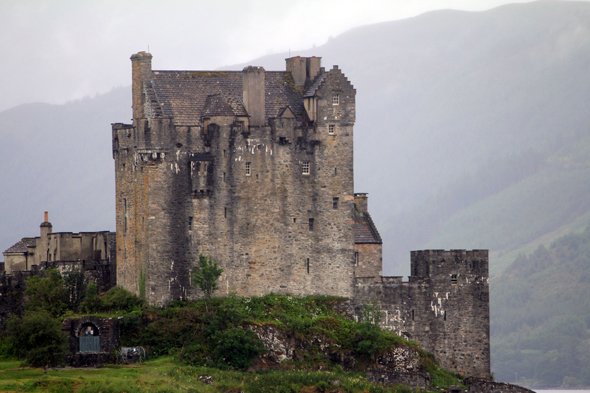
column 55, row 51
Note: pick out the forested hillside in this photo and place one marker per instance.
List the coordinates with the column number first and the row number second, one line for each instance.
column 541, row 316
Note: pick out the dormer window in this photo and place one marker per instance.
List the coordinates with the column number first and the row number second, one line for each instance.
column 335, row 99
column 331, row 128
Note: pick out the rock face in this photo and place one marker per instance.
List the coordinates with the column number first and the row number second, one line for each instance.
column 479, row 385
column 399, row 366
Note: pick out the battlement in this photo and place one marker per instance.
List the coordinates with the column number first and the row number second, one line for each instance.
column 451, row 263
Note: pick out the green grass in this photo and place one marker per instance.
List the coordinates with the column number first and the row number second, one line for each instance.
column 167, row 375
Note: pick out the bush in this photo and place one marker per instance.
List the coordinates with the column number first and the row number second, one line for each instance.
column 46, row 294
column 37, row 339
column 236, row 348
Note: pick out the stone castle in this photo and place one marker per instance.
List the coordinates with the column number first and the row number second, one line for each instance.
column 255, row 168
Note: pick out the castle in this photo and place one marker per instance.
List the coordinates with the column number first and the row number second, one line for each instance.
column 255, row 168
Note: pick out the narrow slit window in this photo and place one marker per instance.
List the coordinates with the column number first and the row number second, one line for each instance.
column 248, row 169
column 311, row 224
column 335, row 99
column 412, row 315
column 331, row 128
column 335, row 203
column 225, row 212
column 307, row 265
column 190, row 223
column 356, row 258
column 305, row 168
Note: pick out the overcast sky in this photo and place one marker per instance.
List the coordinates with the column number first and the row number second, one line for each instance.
column 59, row 50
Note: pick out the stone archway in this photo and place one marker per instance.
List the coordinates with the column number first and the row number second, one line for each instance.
column 89, row 337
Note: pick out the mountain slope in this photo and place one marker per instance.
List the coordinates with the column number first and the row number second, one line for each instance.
column 58, row 158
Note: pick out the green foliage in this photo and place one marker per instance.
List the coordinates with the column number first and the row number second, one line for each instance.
column 46, row 294
column 91, row 302
column 205, row 275
column 115, row 299
column 73, row 281
column 222, row 337
column 37, row 339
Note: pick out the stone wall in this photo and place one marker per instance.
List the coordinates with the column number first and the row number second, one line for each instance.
column 479, row 385
column 444, row 307
column 105, row 329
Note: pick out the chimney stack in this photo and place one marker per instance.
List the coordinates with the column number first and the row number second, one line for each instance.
column 46, row 227
column 303, row 69
column 253, row 94
column 361, row 202
column 141, row 69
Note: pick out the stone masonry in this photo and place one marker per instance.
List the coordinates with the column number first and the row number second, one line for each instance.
column 255, row 168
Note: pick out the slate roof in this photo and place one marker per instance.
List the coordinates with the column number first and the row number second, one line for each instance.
column 365, row 230
column 184, row 95
column 22, row 245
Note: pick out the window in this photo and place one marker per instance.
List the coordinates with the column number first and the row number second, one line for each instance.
column 453, row 279
column 248, row 169
column 305, row 168
column 335, row 203
column 190, row 223
column 335, row 99
column 356, row 258
column 331, row 128
column 311, row 224
column 307, row 265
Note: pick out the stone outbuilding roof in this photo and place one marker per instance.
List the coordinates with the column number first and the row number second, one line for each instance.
column 22, row 245
column 187, row 96
column 365, row 230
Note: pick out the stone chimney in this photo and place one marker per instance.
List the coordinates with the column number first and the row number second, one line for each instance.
column 141, row 69
column 46, row 227
column 361, row 202
column 253, row 94
column 303, row 69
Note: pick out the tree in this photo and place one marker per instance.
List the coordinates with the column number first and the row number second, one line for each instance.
column 205, row 275
column 37, row 339
column 74, row 283
column 47, row 294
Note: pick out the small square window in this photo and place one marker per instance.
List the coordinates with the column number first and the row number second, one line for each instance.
column 331, row 128
column 305, row 168
column 335, row 99
column 248, row 172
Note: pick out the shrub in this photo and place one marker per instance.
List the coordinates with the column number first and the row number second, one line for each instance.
column 37, row 339
column 236, row 348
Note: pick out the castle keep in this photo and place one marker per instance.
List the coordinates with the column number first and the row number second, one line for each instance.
column 255, row 168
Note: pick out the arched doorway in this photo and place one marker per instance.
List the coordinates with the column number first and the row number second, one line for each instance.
column 89, row 338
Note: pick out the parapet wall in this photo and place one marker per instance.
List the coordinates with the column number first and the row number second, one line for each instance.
column 444, row 306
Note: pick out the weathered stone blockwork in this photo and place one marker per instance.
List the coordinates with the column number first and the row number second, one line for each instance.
column 444, row 306
column 232, row 165
column 106, row 333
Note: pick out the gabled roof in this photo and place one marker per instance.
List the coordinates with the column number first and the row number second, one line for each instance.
column 219, row 105
column 183, row 95
column 365, row 230
column 22, row 245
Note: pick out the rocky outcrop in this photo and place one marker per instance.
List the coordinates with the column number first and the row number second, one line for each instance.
column 398, row 366
column 479, row 385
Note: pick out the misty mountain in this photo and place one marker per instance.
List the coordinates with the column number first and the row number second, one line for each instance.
column 59, row 158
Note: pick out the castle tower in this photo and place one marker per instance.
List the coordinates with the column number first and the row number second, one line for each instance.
column 252, row 167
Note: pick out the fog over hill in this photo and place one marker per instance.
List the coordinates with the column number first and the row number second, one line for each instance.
column 438, row 97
